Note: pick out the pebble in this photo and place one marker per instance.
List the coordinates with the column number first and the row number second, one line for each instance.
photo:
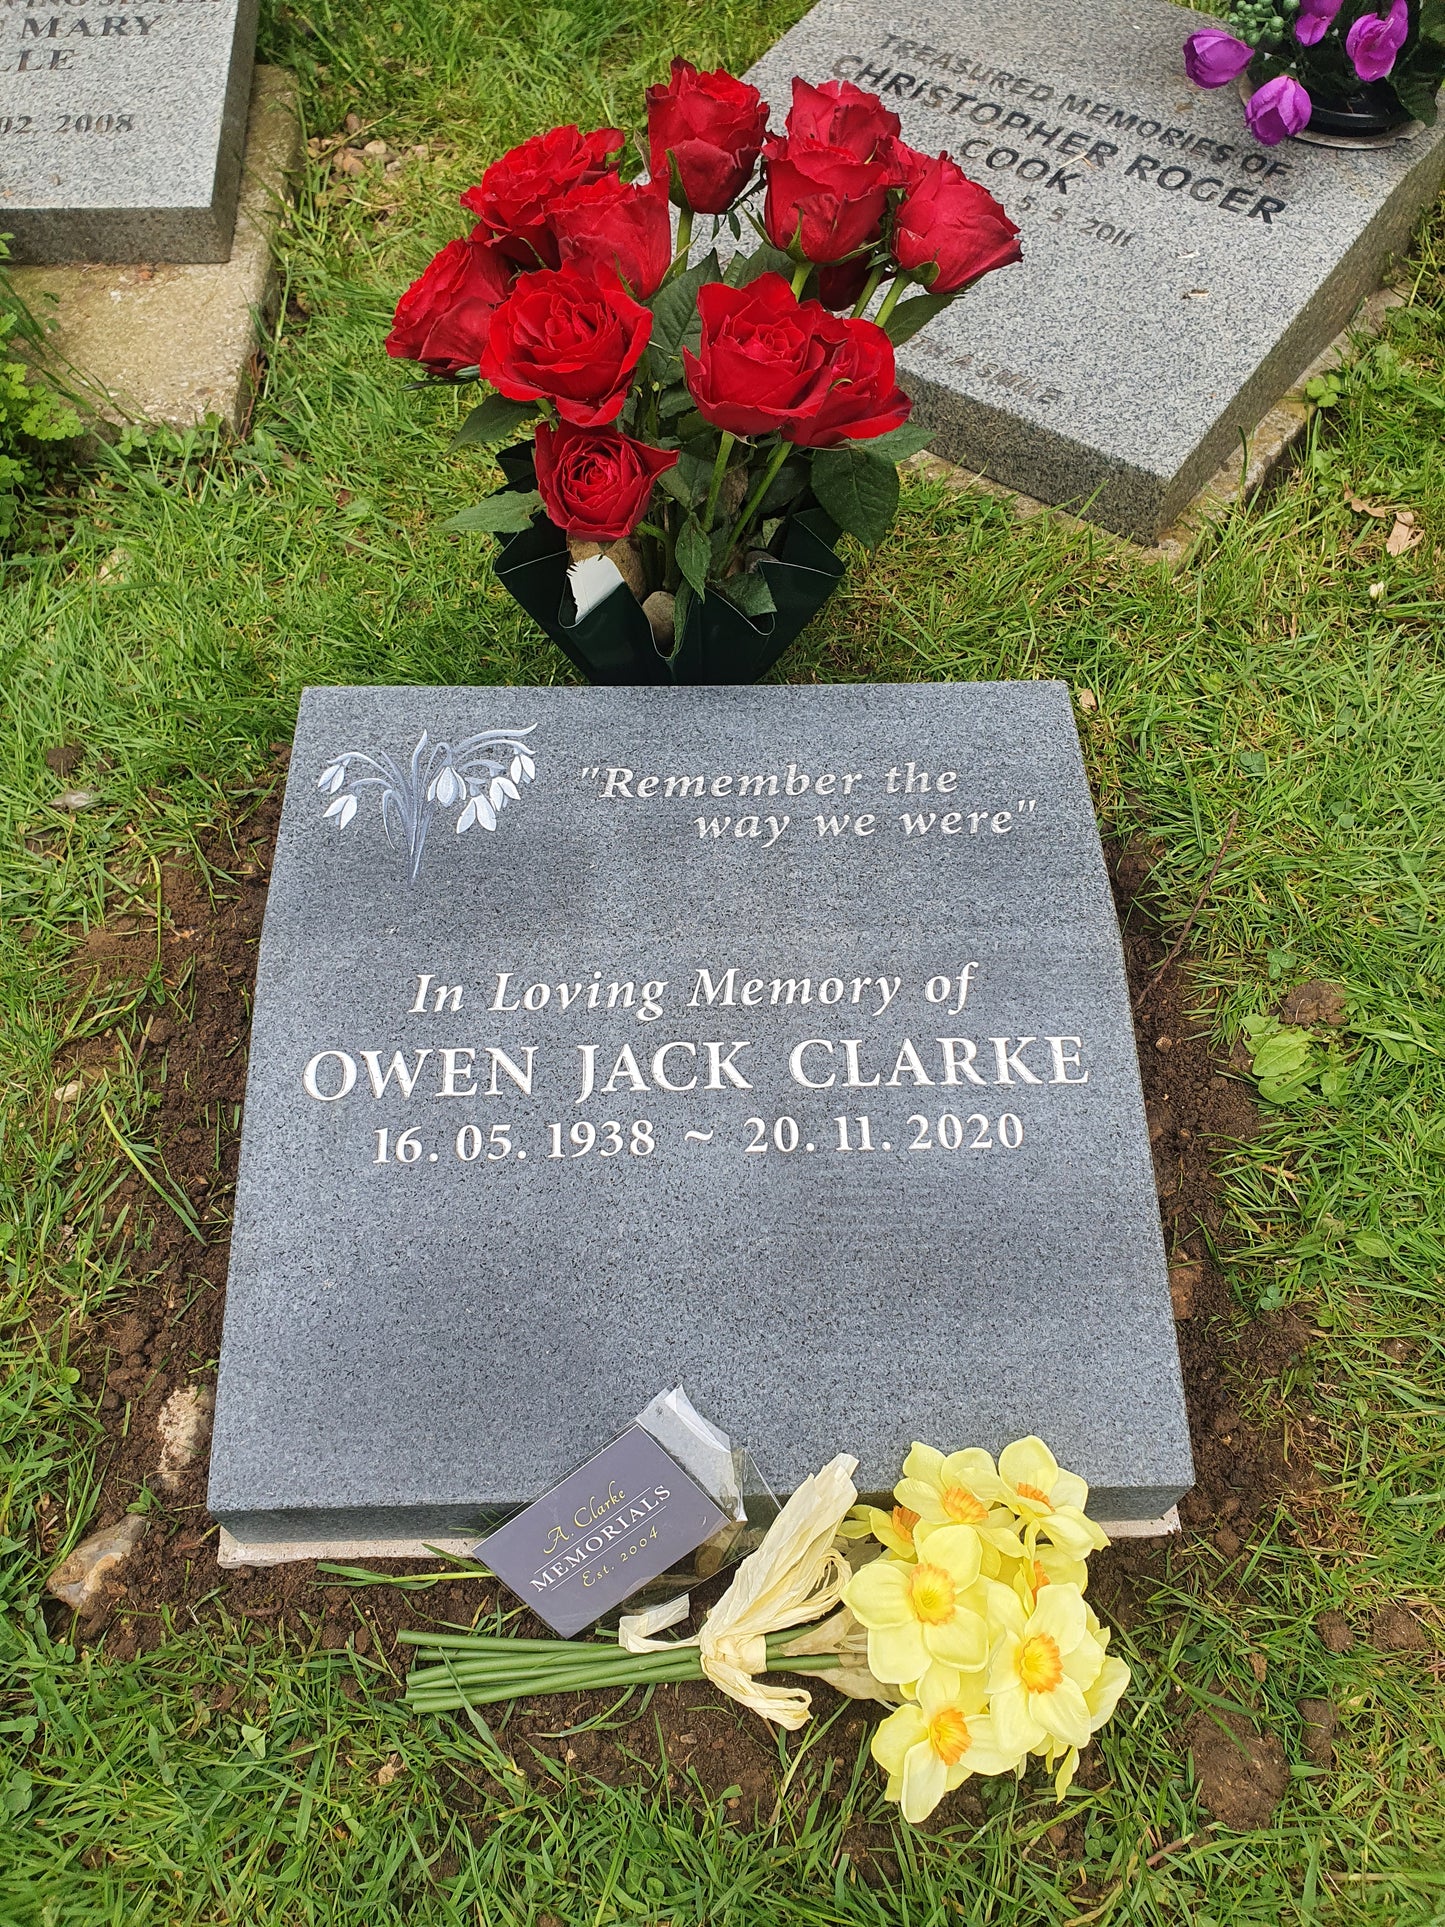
column 83, row 1579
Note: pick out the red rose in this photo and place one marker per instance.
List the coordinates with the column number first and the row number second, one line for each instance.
column 841, row 282
column 443, row 317
column 594, row 482
column 515, row 194
column 842, row 115
column 763, row 358
column 574, row 337
column 823, row 198
column 612, row 225
column 946, row 219
column 863, row 398
column 713, row 127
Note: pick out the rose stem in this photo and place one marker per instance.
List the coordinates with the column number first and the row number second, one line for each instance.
column 779, row 456
column 869, row 290
column 800, row 276
column 724, row 449
column 684, row 238
column 890, row 301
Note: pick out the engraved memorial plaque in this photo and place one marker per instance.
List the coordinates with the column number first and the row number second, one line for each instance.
column 773, row 1041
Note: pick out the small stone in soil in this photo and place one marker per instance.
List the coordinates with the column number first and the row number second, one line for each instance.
column 86, row 1579
column 1184, row 1282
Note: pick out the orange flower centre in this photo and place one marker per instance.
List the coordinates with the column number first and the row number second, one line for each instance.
column 931, row 1592
column 949, row 1736
column 1039, row 1665
column 1031, row 1492
column 960, row 1505
column 903, row 1522
column 1041, row 1578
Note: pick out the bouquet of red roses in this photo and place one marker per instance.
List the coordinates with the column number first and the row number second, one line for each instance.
column 700, row 434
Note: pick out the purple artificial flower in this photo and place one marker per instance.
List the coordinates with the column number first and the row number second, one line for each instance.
column 1212, row 57
column 1279, row 108
column 1316, row 17
column 1373, row 43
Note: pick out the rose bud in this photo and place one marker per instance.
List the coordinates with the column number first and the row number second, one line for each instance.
column 841, row 282
column 1212, row 57
column 595, row 483
column 1316, row 17
column 947, row 221
column 712, row 126
column 443, row 318
column 864, row 398
column 822, row 201
column 1278, row 109
column 841, row 115
column 609, row 224
column 1373, row 43
column 763, row 360
column 571, row 336
column 513, row 197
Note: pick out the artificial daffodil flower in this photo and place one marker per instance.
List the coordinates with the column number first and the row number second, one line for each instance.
column 931, row 1745
column 921, row 1614
column 1101, row 1698
column 1048, row 1502
column 962, row 1489
column 891, row 1529
column 1046, row 1566
column 1042, row 1665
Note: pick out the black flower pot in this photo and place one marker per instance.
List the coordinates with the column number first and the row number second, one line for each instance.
column 1369, row 114
column 613, row 642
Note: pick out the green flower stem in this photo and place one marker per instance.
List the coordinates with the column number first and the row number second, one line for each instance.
column 800, row 276
column 870, row 288
column 458, row 1690
column 719, row 468
column 684, row 240
column 750, row 507
column 890, row 300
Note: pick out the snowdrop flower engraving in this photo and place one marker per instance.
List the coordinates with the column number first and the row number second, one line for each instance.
column 481, row 773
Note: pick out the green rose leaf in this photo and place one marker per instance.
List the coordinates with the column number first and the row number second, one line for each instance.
column 911, row 315
column 694, row 553
column 750, row 593
column 504, row 513
column 899, row 443
column 744, row 268
column 674, row 307
column 858, row 490
column 494, row 420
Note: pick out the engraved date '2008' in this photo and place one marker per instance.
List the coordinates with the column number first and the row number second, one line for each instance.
column 68, row 124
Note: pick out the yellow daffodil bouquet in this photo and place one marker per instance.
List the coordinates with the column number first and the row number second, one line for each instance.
column 962, row 1609
column 975, row 1613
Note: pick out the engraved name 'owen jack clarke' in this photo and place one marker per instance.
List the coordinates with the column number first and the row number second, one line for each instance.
column 774, row 1041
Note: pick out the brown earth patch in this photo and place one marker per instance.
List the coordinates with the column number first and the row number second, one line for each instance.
column 166, row 1336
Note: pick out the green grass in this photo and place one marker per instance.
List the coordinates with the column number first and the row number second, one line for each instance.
column 167, row 616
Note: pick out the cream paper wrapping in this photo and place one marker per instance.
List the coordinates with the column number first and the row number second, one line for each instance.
column 795, row 1575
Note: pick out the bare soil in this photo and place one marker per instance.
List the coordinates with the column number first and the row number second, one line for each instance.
column 166, row 1335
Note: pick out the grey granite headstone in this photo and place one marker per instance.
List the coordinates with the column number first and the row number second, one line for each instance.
column 1177, row 276
column 774, row 1042
column 121, row 133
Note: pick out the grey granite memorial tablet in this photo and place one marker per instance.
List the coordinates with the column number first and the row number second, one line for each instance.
column 621, row 1519
column 1177, row 276
column 121, row 134
column 774, row 1041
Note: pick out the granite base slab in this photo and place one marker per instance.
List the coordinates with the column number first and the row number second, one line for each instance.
column 172, row 343
column 1177, row 277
